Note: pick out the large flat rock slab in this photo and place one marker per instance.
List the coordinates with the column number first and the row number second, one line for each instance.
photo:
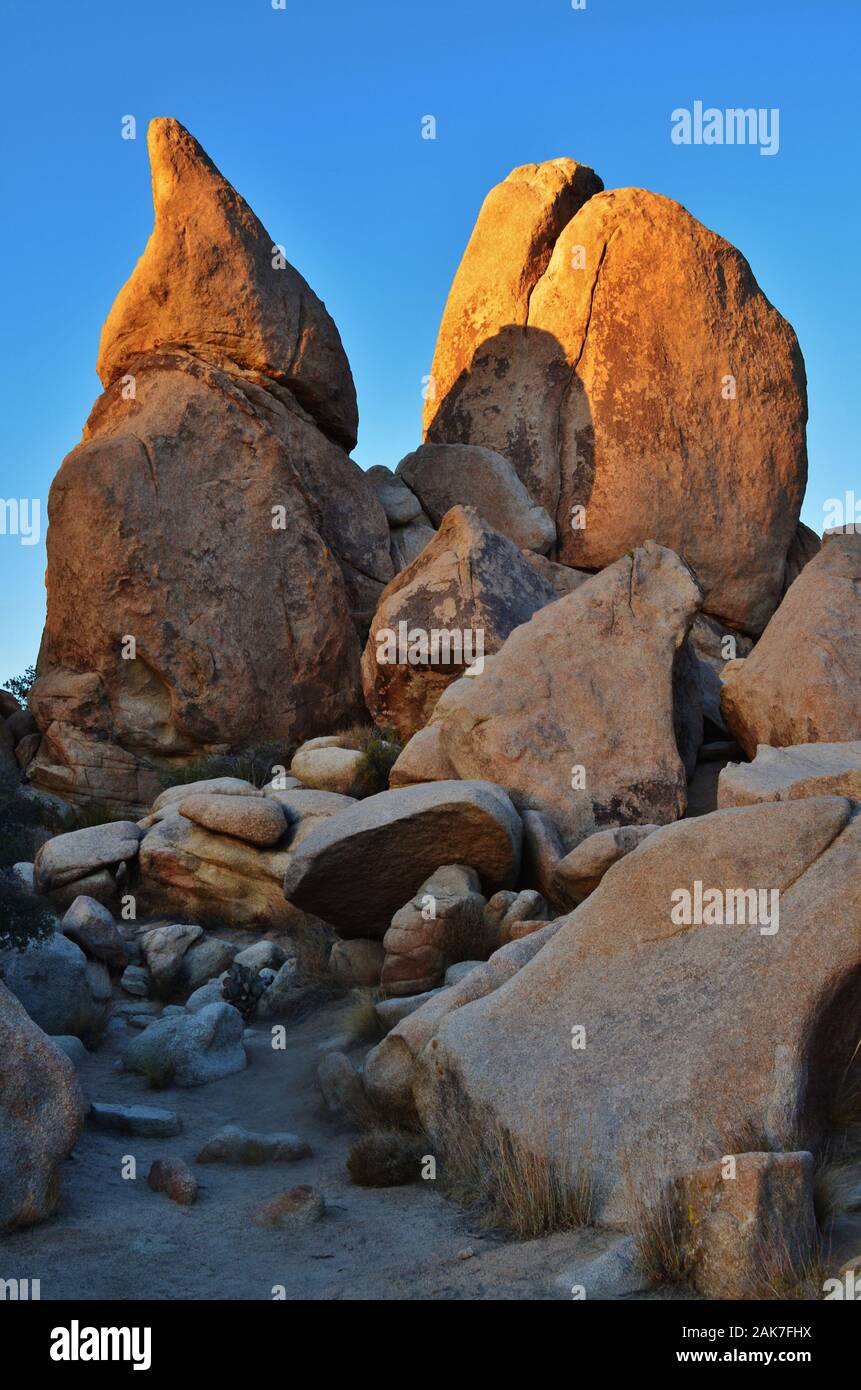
column 356, row 869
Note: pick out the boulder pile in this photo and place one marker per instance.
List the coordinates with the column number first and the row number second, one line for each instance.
column 567, row 709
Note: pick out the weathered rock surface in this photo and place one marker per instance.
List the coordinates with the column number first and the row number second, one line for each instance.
column 745, row 1234
column 562, row 578
column 355, row 870
column 164, row 950
column 144, row 1121
column 389, row 1067
column 90, row 925
column 41, row 1116
column 443, row 476
column 80, row 853
column 644, row 377
column 804, row 545
column 802, row 681
column 786, row 774
column 757, row 1060
column 357, row 962
column 175, row 1179
column 189, row 1049
column 216, row 879
column 256, row 820
column 51, row 980
column 209, row 281
column 233, row 1144
column 191, row 431
column 443, row 923
column 327, row 769
column 398, row 501
column 472, row 587
column 556, row 698
column 508, row 252
column 580, row 872
column 713, row 646
column 225, row 380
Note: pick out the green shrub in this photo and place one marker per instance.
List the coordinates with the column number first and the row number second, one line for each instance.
column 23, row 917
column 20, row 685
column 380, row 749
column 253, row 765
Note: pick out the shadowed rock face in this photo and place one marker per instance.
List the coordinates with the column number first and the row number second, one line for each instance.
column 41, row 1116
column 208, row 512
column 206, row 282
column 609, row 388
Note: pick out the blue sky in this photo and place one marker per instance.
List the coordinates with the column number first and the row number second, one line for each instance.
column 314, row 113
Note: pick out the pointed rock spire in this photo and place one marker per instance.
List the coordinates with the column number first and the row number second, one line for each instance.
column 211, row 280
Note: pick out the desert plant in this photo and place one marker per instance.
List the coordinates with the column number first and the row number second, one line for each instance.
column 657, row 1225
column 386, row 1158
column 358, row 1018
column 380, row 750
column 24, row 918
column 242, row 987
column 20, row 686
column 254, row 764
column 517, row 1187
column 781, row 1272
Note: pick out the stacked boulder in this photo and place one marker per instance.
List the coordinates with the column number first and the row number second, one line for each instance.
column 212, row 483
column 625, row 361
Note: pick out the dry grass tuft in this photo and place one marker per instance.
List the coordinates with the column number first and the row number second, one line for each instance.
column 658, row 1227
column 358, row 1017
column 517, row 1187
column 781, row 1273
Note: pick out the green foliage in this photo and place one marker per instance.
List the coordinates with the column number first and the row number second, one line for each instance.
column 253, row 765
column 20, row 685
column 23, row 916
column 380, row 749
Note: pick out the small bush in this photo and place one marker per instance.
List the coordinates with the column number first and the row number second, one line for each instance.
column 358, row 1018
column 20, row 686
column 380, row 750
column 24, row 918
column 253, row 765
column 385, row 1159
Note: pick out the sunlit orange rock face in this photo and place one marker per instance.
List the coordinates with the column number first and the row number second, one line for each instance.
column 629, row 366
column 206, row 282
column 212, row 550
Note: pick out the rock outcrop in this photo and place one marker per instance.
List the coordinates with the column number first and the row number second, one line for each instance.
column 638, row 967
column 639, row 381
column 788, row 774
column 41, row 1117
column 442, row 924
column 213, row 473
column 211, row 281
column 802, row 681
column 551, row 718
column 447, row 612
